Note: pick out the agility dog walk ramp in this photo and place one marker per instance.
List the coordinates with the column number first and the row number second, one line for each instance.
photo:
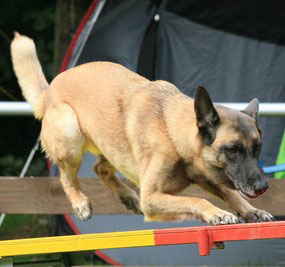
column 206, row 237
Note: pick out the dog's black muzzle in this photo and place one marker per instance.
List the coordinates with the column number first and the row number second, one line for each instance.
column 248, row 179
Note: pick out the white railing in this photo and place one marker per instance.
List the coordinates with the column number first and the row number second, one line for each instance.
column 265, row 109
column 15, row 108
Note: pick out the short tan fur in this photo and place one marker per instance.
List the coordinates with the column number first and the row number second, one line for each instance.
column 146, row 130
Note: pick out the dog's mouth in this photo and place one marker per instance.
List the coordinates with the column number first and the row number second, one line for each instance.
column 250, row 194
column 245, row 191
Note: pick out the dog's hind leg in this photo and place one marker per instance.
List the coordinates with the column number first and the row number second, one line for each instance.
column 106, row 172
column 63, row 142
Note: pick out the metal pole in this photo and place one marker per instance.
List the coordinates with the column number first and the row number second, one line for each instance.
column 15, row 109
column 265, row 109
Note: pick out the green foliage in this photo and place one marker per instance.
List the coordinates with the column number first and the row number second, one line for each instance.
column 18, row 134
column 12, row 166
column 83, row 258
column 24, row 226
column 33, row 18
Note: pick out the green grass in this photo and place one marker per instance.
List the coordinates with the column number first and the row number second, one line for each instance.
column 24, row 226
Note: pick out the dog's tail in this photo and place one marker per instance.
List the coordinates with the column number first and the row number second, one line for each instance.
column 29, row 73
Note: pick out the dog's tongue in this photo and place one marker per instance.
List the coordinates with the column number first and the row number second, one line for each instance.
column 261, row 191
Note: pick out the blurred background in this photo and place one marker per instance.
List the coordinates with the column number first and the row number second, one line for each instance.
column 51, row 24
column 234, row 48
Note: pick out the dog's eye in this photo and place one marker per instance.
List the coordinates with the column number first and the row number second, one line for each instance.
column 232, row 149
column 256, row 148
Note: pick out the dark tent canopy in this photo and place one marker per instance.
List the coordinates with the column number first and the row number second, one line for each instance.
column 234, row 48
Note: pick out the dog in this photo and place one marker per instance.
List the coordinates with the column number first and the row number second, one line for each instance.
column 157, row 137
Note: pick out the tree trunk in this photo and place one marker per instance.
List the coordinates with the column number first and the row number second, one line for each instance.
column 68, row 16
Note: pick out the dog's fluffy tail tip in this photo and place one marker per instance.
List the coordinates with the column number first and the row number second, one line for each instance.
column 16, row 34
column 21, row 39
column 29, row 72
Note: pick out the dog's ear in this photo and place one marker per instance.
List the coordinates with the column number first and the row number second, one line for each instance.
column 252, row 111
column 207, row 117
column 252, row 108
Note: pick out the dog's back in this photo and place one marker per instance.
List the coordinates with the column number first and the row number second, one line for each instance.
column 99, row 97
column 97, row 83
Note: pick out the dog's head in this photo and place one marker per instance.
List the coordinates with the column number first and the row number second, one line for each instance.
column 231, row 143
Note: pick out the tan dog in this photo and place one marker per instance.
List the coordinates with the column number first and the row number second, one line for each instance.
column 159, row 138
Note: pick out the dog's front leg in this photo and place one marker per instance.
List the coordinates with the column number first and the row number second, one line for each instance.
column 158, row 205
column 246, row 211
column 236, row 202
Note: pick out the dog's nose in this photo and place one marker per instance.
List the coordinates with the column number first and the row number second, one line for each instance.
column 261, row 186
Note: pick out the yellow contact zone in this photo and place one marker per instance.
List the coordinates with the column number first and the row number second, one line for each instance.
column 77, row 243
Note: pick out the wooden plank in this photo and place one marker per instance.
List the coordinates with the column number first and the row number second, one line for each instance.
column 44, row 195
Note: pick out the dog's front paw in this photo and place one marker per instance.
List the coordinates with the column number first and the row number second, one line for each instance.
column 131, row 203
column 82, row 210
column 222, row 217
column 258, row 216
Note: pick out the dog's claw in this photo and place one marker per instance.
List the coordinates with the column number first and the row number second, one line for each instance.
column 258, row 216
column 227, row 218
column 83, row 211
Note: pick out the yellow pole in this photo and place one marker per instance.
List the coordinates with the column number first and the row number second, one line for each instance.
column 76, row 243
